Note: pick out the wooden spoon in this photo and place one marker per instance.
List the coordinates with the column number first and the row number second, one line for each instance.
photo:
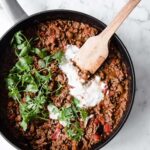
column 95, row 50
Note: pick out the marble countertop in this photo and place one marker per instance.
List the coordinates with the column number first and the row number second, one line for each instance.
column 135, row 34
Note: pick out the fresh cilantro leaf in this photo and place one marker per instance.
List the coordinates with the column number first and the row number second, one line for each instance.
column 18, row 38
column 22, row 45
column 76, row 102
column 12, row 80
column 59, row 57
column 32, row 88
column 24, row 124
column 24, row 51
column 42, row 78
column 59, row 87
column 25, row 113
column 66, row 114
column 14, row 93
column 24, row 63
column 31, row 109
column 41, row 63
column 75, row 132
column 83, row 114
column 54, row 111
column 47, row 60
column 41, row 53
column 27, row 78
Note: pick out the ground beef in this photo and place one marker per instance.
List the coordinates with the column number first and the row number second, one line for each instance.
column 45, row 135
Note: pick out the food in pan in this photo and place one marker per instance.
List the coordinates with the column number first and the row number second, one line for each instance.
column 51, row 105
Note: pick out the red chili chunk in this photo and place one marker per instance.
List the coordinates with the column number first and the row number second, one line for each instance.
column 107, row 128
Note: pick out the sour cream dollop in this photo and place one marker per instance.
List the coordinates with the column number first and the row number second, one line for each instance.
column 89, row 94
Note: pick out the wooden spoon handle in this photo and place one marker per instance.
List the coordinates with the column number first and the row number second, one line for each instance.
column 118, row 20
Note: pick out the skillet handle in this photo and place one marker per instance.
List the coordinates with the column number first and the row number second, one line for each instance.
column 13, row 10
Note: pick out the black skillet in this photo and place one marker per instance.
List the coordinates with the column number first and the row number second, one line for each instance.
column 7, row 61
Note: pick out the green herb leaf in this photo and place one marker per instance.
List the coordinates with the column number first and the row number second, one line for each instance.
column 47, row 60
column 27, row 78
column 59, row 57
column 24, row 124
column 32, row 88
column 22, row 45
column 23, row 49
column 54, row 111
column 12, row 81
column 76, row 102
column 41, row 63
column 41, row 53
column 59, row 87
column 14, row 93
column 75, row 132
column 42, row 78
column 18, row 37
column 66, row 114
column 23, row 63
column 83, row 114
column 24, row 52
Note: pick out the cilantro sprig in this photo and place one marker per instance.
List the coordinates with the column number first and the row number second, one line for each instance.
column 59, row 57
column 75, row 132
column 25, row 79
column 70, row 116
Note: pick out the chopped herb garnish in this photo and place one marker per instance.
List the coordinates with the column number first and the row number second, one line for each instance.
column 32, row 109
column 76, row 102
column 23, row 78
column 69, row 116
column 59, row 57
column 66, row 114
column 53, row 109
column 83, row 113
column 33, row 88
column 41, row 53
column 75, row 132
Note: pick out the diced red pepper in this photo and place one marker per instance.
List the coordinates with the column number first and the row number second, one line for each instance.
column 96, row 137
column 56, row 134
column 101, row 119
column 96, row 121
column 107, row 128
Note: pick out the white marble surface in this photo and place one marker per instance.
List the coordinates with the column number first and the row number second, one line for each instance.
column 135, row 33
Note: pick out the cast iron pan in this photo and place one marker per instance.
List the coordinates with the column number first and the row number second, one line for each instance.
column 7, row 61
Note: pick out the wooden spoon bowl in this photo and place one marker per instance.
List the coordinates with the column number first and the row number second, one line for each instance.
column 95, row 50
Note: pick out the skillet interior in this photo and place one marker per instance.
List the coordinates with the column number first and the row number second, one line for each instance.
column 7, row 61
